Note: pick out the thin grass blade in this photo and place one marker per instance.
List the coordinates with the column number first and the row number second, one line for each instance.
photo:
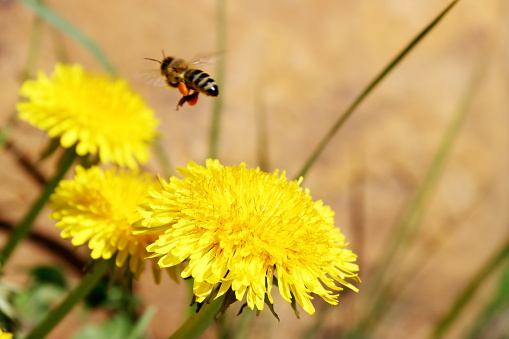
column 492, row 321
column 349, row 111
column 382, row 293
column 262, row 139
column 501, row 256
column 219, row 77
column 60, row 23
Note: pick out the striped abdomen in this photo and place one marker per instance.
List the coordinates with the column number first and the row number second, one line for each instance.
column 201, row 81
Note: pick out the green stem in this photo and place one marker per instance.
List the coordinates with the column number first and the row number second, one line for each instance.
column 190, row 294
column 58, row 313
column 199, row 322
column 342, row 119
column 218, row 102
column 24, row 226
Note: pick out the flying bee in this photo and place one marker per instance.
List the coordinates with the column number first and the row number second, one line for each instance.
column 189, row 81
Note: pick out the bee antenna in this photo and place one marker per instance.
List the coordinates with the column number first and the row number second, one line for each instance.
column 164, row 56
column 153, row 60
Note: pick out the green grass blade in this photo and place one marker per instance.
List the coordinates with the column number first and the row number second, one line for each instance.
column 495, row 311
column 382, row 294
column 219, row 77
column 163, row 158
column 28, row 72
column 262, row 139
column 59, row 49
column 466, row 295
column 33, row 49
column 60, row 23
column 344, row 117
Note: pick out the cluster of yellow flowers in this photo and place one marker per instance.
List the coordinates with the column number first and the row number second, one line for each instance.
column 236, row 228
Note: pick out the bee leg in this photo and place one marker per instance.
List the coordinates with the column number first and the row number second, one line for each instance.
column 184, row 90
column 191, row 99
column 181, row 103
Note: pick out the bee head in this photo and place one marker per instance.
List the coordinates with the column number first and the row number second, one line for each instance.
column 165, row 63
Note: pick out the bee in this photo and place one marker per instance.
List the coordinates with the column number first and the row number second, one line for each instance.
column 189, row 81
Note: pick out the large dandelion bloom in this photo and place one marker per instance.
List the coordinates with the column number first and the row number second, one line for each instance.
column 5, row 335
column 97, row 114
column 99, row 207
column 240, row 228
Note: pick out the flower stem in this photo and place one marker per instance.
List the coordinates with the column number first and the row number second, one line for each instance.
column 199, row 322
column 74, row 297
column 24, row 226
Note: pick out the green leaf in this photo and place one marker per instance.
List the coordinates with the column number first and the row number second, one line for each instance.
column 45, row 274
column 99, row 294
column 7, row 309
column 52, row 318
column 33, row 304
column 118, row 327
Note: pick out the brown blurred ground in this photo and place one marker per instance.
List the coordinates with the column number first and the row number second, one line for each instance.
column 303, row 62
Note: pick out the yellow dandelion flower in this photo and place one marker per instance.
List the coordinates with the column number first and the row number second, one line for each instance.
column 97, row 114
column 240, row 228
column 5, row 335
column 99, row 207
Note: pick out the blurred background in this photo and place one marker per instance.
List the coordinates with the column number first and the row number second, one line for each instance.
column 291, row 69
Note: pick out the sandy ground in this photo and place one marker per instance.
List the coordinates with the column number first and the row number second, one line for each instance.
column 302, row 63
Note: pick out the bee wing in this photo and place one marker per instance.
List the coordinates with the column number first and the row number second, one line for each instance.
column 203, row 60
column 152, row 77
